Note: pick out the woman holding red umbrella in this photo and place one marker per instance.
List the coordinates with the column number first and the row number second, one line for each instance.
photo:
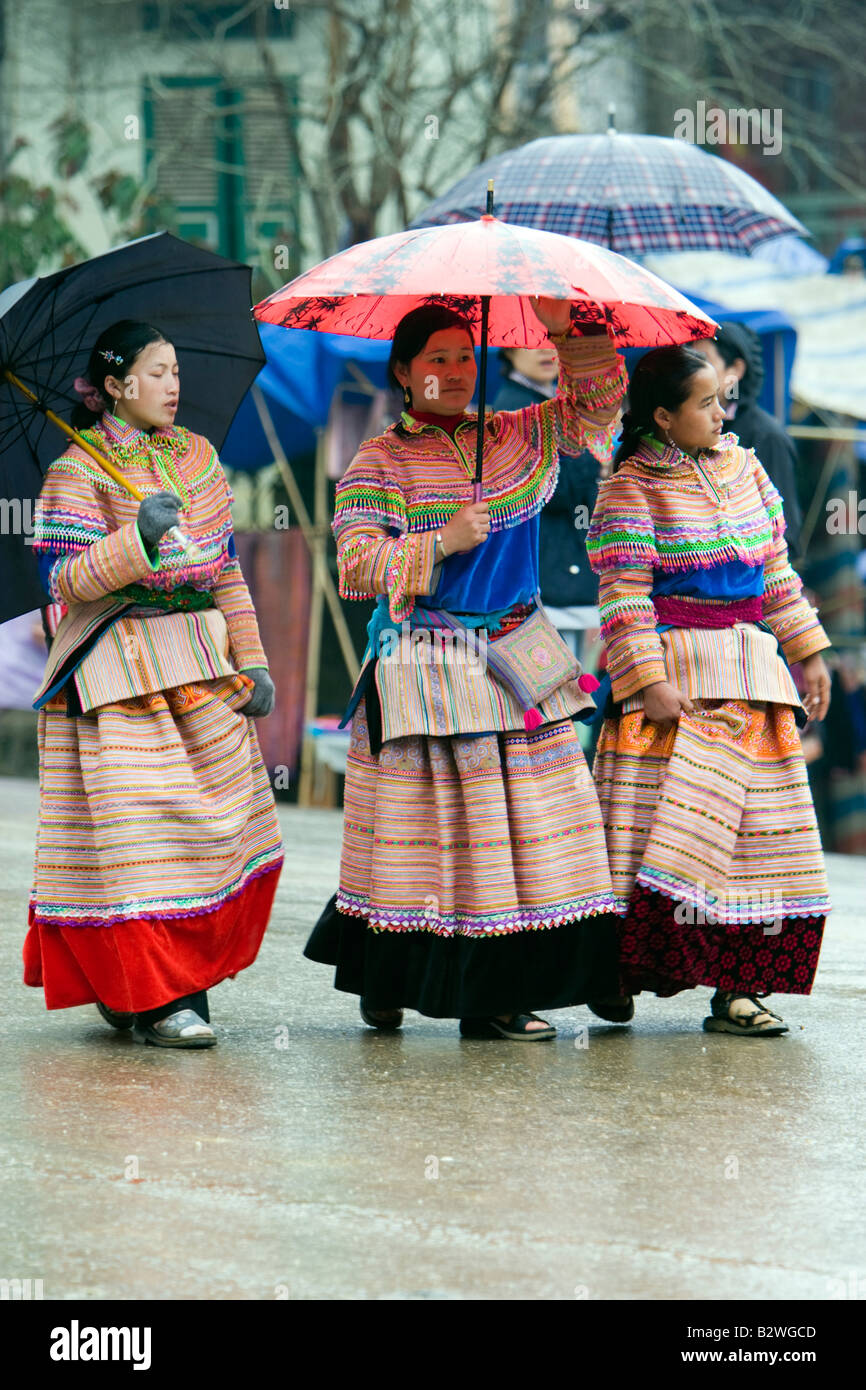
column 474, row 881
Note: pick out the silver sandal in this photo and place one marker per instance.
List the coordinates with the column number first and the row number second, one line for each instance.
column 182, row 1029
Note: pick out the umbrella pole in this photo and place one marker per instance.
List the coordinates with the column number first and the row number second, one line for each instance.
column 482, row 397
column 188, row 545
column 482, row 385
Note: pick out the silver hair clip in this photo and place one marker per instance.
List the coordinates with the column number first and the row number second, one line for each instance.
column 111, row 356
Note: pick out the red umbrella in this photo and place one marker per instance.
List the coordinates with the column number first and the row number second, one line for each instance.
column 487, row 270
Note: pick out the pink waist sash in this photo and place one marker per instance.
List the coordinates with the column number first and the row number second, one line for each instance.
column 690, row 612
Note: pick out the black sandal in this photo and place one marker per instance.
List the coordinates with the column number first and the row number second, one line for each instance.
column 515, row 1031
column 722, row 1021
column 619, row 1010
column 379, row 1018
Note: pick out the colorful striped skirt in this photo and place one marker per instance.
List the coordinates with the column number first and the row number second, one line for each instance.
column 158, row 850
column 474, row 876
column 714, row 851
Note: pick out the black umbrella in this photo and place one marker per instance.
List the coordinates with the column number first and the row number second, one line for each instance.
column 201, row 302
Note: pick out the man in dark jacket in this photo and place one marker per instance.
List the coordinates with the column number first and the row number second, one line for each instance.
column 569, row 589
column 736, row 354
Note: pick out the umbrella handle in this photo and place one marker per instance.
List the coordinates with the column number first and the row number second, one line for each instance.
column 476, row 492
column 186, row 543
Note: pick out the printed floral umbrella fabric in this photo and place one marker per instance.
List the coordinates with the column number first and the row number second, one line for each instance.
column 365, row 290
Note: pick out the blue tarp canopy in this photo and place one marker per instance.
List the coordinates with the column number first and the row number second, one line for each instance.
column 305, row 368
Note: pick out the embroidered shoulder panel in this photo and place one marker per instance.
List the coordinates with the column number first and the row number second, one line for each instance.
column 668, row 512
column 417, row 483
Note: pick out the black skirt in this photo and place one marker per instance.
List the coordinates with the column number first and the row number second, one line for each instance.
column 466, row 977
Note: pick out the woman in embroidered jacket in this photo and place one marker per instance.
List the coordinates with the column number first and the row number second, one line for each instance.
column 473, row 881
column 158, row 851
column 714, row 850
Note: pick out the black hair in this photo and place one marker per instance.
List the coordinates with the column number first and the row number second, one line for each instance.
column 661, row 378
column 114, row 354
column 416, row 327
column 733, row 340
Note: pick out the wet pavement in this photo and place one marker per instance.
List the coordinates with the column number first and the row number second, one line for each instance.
column 307, row 1157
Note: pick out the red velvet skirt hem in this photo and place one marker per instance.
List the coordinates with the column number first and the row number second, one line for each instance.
column 139, row 964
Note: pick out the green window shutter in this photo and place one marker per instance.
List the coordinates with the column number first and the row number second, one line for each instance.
column 181, row 156
column 271, row 183
column 220, row 158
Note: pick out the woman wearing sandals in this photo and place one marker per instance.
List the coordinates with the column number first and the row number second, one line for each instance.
column 714, row 850
column 158, row 849
column 474, row 881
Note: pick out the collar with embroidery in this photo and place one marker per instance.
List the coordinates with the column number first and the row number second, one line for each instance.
column 120, row 432
column 418, row 426
column 653, row 452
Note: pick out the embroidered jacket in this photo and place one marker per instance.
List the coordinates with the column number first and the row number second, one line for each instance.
column 407, row 483
column 404, row 485
column 119, row 595
column 707, row 531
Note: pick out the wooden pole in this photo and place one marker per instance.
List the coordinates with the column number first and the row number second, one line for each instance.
column 314, row 637
column 296, row 501
column 842, row 433
column 834, row 453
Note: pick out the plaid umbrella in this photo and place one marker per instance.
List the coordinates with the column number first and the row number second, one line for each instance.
column 632, row 193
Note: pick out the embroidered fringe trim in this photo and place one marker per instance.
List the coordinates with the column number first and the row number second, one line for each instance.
column 500, row 924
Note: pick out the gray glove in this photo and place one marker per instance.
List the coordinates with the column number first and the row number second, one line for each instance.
column 263, row 698
column 156, row 515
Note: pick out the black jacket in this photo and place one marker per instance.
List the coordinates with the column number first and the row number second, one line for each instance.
column 758, row 430
column 566, row 578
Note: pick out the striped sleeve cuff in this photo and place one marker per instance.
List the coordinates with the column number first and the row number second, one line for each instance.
column 102, row 568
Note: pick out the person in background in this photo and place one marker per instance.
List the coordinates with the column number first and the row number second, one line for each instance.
column 736, row 354
column 569, row 589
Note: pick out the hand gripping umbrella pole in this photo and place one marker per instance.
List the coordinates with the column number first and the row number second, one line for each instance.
column 186, row 543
